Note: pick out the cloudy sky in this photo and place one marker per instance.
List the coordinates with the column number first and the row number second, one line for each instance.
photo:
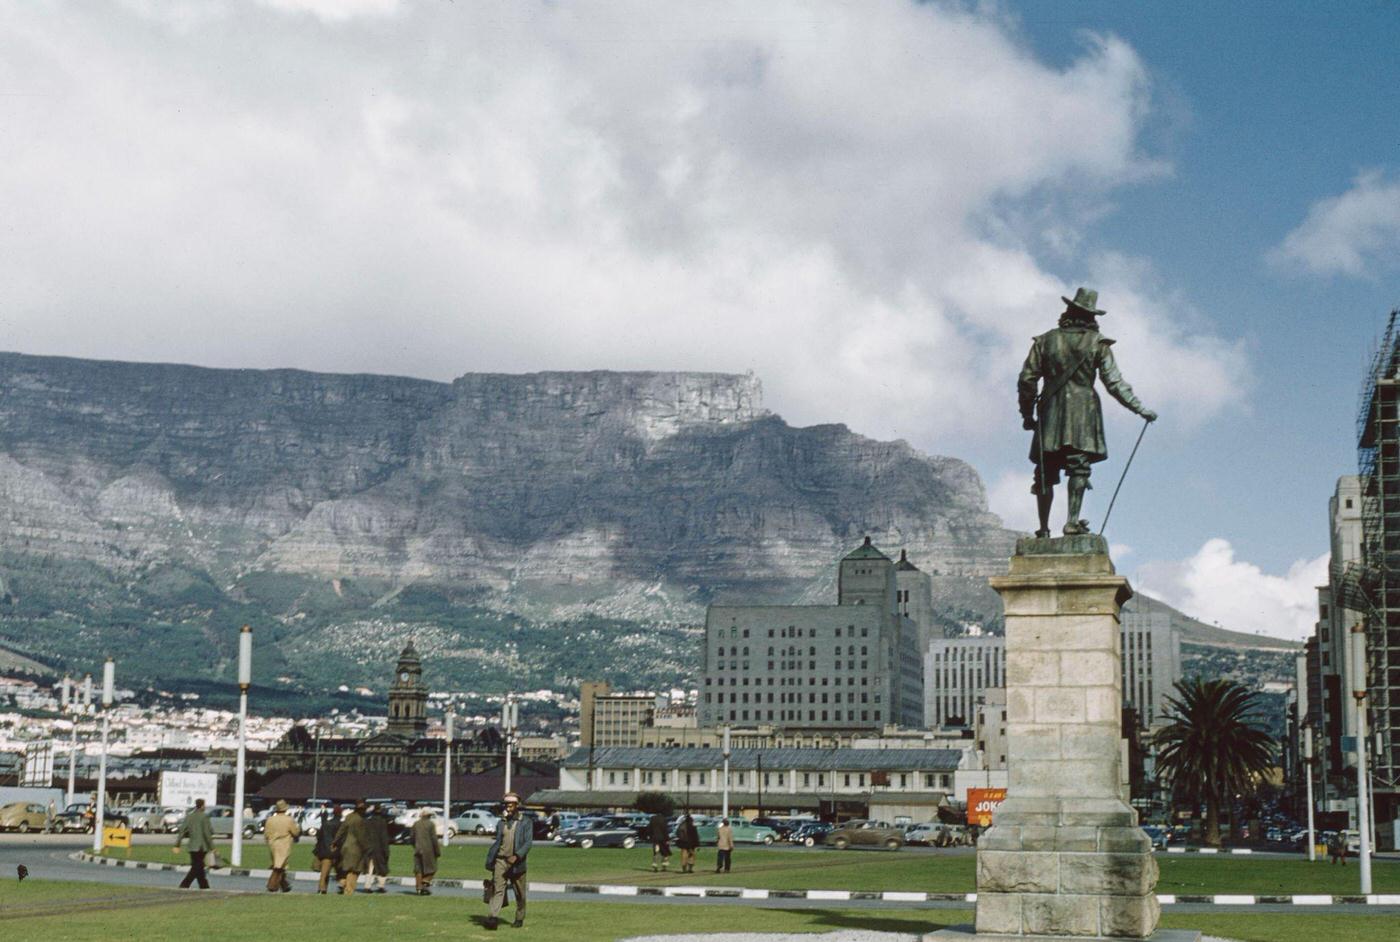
column 872, row 205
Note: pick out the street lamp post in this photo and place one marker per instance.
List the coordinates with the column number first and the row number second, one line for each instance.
column 316, row 762
column 447, row 779
column 724, row 812
column 1308, row 772
column 510, row 715
column 99, row 818
column 1358, row 693
column 245, row 679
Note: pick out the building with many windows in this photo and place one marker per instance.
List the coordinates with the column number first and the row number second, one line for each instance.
column 1151, row 662
column 852, row 665
column 957, row 674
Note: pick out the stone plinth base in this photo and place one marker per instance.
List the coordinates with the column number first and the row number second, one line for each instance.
column 1064, row 857
column 968, row 934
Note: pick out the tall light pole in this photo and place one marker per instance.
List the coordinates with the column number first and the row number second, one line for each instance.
column 245, row 679
column 70, row 697
column 1308, row 771
column 316, row 762
column 1358, row 693
column 447, row 779
column 510, row 715
column 724, row 811
column 99, row 818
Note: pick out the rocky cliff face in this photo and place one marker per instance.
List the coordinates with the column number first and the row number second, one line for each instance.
column 635, row 495
column 587, row 482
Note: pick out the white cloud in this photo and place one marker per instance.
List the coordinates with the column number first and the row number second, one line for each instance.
column 1009, row 497
column 1350, row 234
column 516, row 186
column 1217, row 588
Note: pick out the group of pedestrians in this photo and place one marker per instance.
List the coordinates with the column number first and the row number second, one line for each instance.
column 687, row 841
column 354, row 843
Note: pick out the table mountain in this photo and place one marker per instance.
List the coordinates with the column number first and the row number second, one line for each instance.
column 148, row 507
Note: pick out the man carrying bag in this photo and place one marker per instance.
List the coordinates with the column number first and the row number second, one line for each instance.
column 506, row 861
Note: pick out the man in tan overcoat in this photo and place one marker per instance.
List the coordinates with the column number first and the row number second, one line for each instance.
column 280, row 832
column 352, row 837
column 426, row 851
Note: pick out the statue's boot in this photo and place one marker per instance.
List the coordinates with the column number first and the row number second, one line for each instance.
column 1074, row 525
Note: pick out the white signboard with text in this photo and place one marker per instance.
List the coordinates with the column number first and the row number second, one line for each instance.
column 180, row 789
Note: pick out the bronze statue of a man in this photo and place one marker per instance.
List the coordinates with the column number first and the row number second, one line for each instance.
column 1064, row 412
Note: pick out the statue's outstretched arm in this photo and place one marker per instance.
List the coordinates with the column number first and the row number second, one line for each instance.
column 1117, row 387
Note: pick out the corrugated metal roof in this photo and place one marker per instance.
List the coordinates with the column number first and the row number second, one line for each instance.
column 816, row 760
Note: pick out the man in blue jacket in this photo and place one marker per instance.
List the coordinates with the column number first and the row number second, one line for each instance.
column 506, row 861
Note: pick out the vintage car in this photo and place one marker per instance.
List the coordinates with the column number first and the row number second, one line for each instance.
column 810, row 833
column 867, row 834
column 147, row 818
column 745, row 831
column 24, row 816
column 925, row 834
column 475, row 821
column 612, row 832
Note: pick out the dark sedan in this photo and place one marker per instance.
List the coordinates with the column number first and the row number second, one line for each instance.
column 616, row 832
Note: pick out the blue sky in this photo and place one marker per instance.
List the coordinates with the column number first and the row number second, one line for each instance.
column 872, row 206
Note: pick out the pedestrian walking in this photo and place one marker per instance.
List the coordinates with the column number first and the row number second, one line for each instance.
column 506, row 861
column 687, row 839
column 197, row 830
column 280, row 832
column 660, row 836
column 724, row 846
column 1337, row 850
column 378, row 856
column 426, row 851
column 352, row 840
column 325, row 851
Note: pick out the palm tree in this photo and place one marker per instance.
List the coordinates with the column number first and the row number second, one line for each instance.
column 1214, row 747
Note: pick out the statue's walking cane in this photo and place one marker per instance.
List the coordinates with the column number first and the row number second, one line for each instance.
column 1145, row 424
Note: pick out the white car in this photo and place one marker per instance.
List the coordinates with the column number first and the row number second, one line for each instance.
column 445, row 830
column 475, row 821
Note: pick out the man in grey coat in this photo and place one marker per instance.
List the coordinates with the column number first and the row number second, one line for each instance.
column 197, row 830
column 506, row 861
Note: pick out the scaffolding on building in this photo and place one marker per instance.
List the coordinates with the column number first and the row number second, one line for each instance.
column 1372, row 587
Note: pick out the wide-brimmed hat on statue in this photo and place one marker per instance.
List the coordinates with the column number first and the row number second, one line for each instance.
column 1086, row 299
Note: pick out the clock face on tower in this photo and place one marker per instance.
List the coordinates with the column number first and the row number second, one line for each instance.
column 403, row 676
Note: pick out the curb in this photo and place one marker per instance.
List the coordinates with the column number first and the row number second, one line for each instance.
column 734, row 892
column 1209, row 850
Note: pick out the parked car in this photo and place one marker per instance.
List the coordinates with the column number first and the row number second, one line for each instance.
column 401, row 826
column 475, row 821
column 613, row 832
column 781, row 826
column 810, row 833
column 1158, row 835
column 560, row 821
column 923, row 835
column 866, row 833
column 745, row 831
column 310, row 819
column 78, row 817
column 147, row 818
column 583, row 823
column 24, row 816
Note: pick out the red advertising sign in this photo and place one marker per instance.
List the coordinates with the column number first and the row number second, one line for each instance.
column 982, row 803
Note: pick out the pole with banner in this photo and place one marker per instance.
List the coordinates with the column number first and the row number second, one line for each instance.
column 99, row 818
column 245, row 680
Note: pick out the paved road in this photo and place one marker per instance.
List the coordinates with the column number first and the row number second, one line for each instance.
column 49, row 857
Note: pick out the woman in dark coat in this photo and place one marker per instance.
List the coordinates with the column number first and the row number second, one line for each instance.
column 325, row 846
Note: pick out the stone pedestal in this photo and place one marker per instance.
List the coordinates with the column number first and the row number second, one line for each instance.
column 1065, row 856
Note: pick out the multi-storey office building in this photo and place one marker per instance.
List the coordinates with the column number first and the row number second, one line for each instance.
column 958, row 672
column 1151, row 662
column 852, row 665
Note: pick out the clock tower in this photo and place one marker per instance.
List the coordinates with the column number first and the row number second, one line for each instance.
column 408, row 697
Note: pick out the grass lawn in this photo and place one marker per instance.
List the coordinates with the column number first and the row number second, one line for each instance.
column 821, row 869
column 115, row 913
